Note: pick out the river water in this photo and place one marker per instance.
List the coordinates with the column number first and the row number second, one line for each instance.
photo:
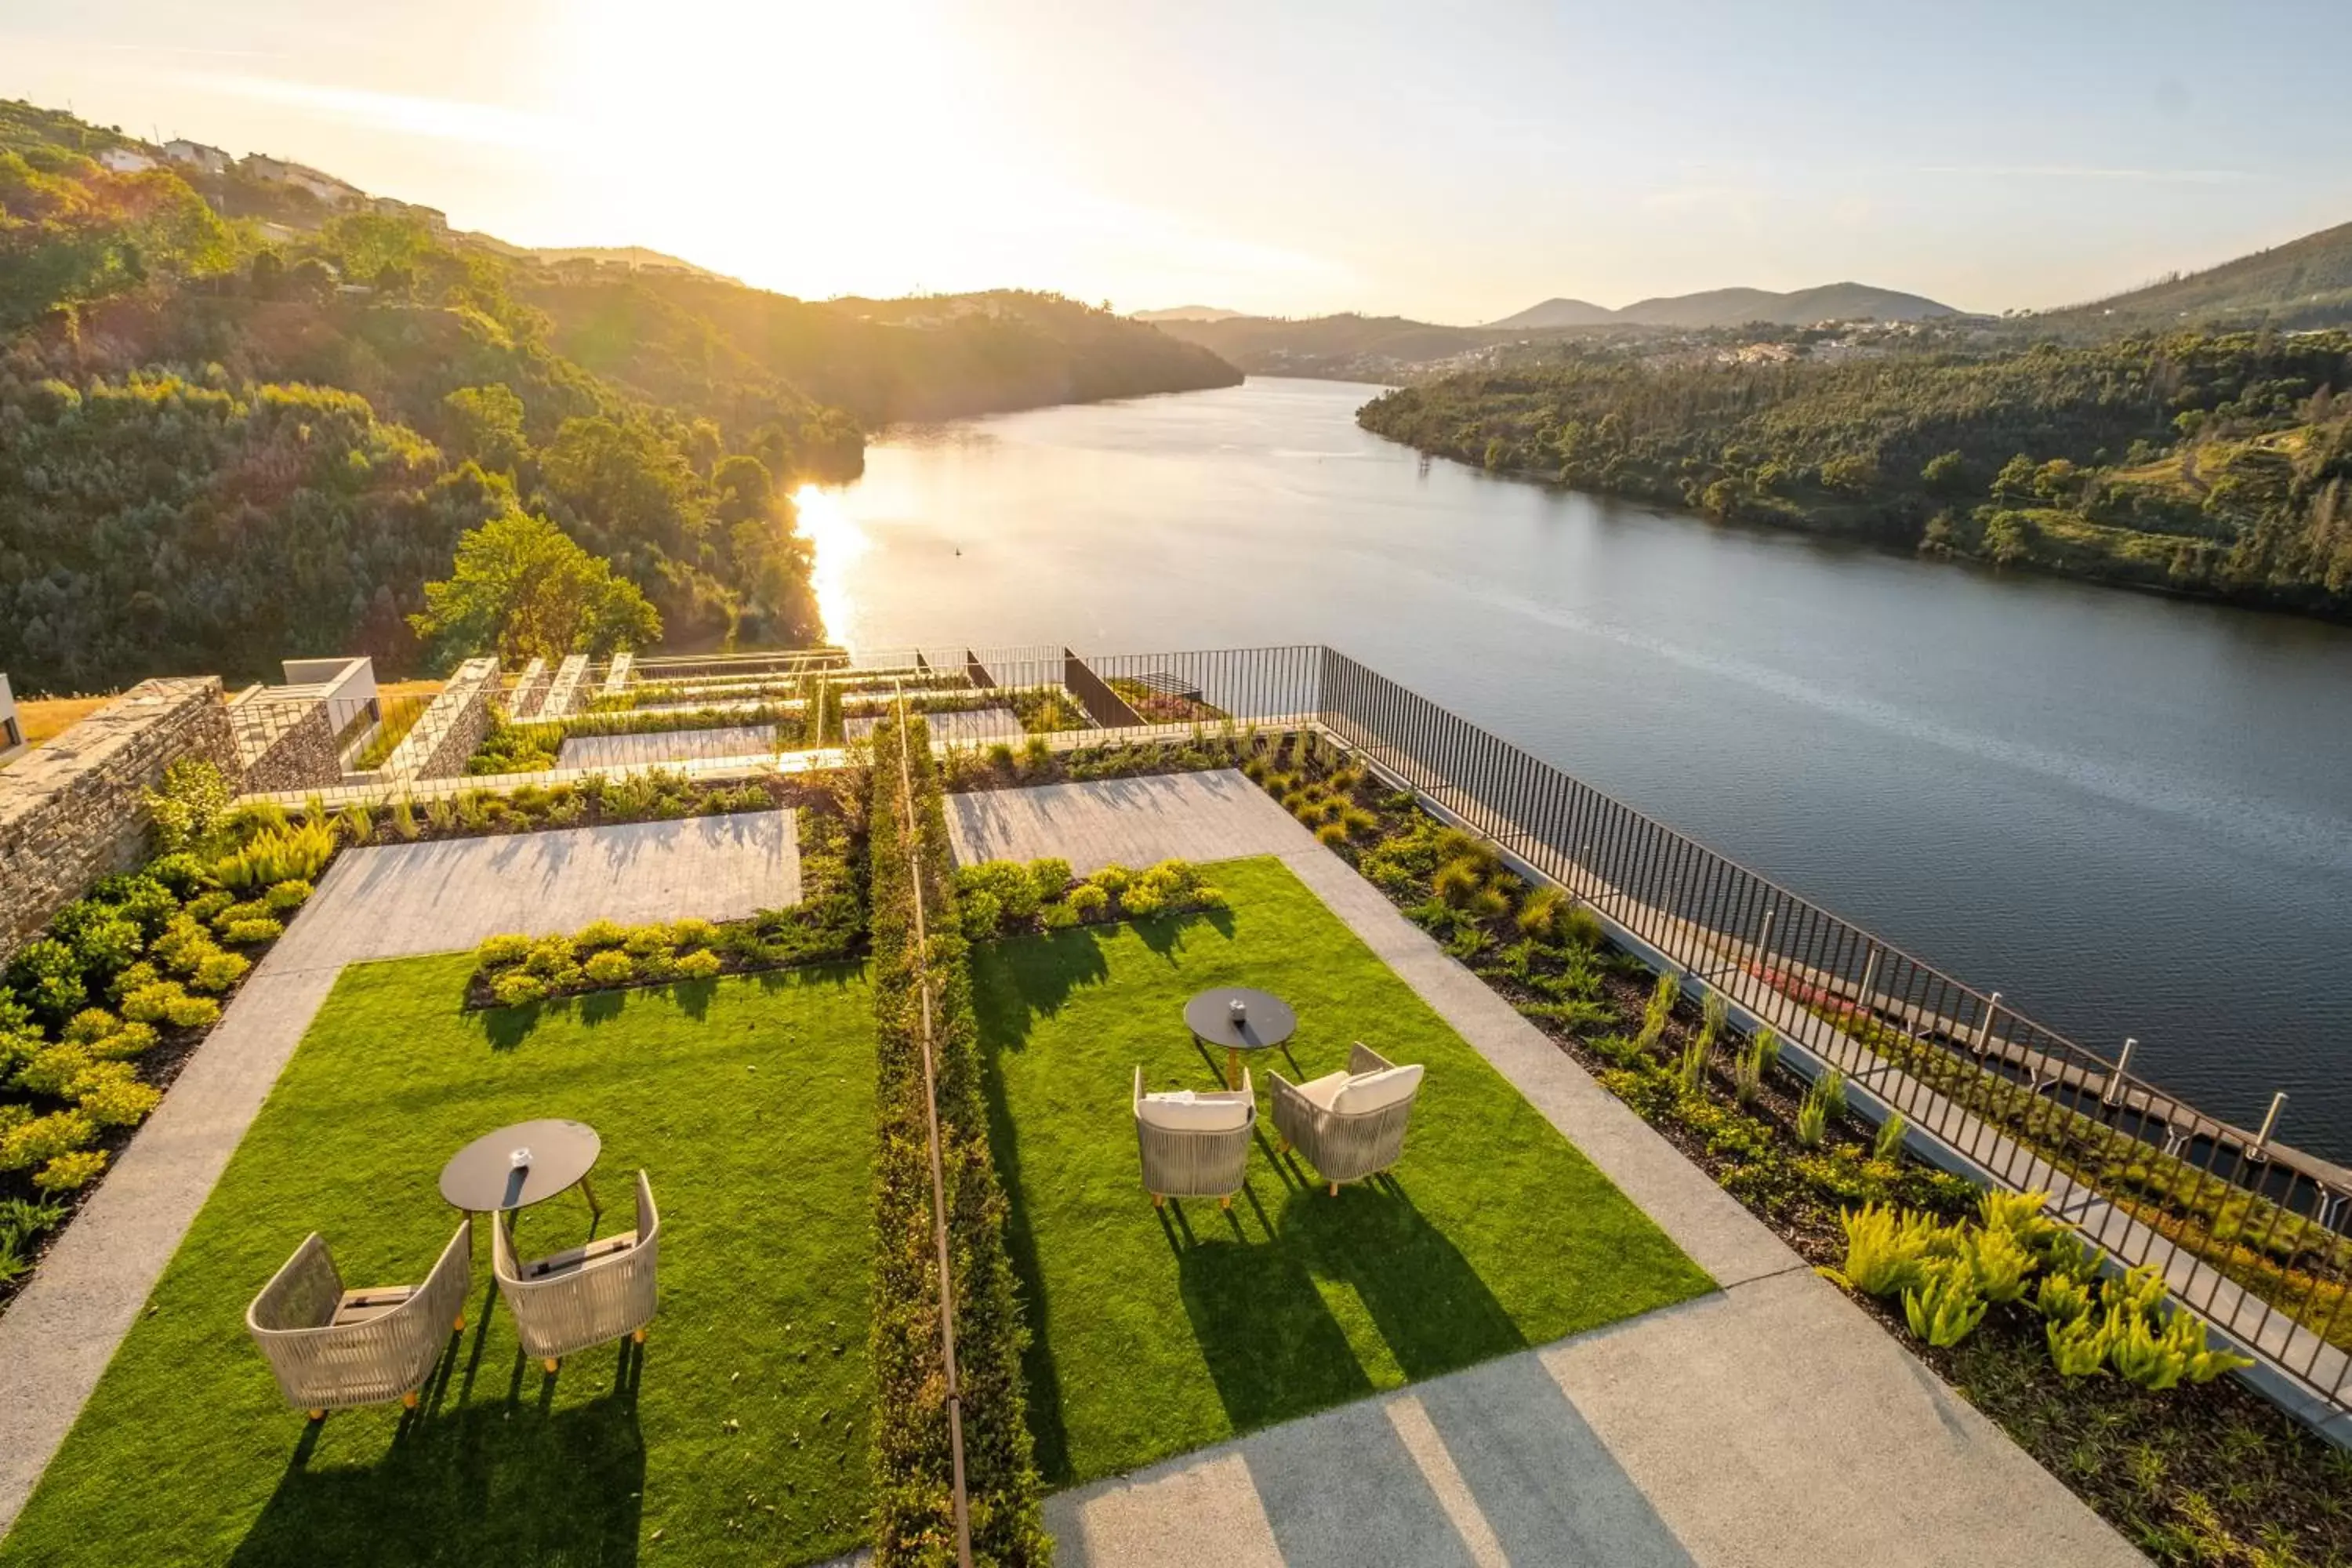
column 2132, row 816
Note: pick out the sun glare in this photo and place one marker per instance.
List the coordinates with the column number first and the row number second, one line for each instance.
column 838, row 541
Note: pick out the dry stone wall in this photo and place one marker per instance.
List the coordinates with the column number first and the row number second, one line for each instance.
column 446, row 734
column 70, row 810
column 285, row 742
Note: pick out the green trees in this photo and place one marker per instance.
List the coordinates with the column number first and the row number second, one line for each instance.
column 71, row 232
column 485, row 424
column 523, row 589
column 2236, row 448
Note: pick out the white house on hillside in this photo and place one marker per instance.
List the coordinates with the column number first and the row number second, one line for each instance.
column 318, row 183
column 211, row 160
column 126, row 160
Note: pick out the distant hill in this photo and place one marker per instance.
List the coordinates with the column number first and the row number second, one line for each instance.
column 1346, row 348
column 1558, row 313
column 635, row 258
column 2305, row 283
column 1188, row 313
column 1734, row 308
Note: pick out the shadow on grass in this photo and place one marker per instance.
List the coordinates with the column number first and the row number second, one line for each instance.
column 1430, row 1306
column 1272, row 1346
column 513, row 1480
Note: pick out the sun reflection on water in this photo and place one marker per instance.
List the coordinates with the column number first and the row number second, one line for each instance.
column 838, row 541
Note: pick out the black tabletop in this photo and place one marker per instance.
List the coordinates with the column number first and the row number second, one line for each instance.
column 1265, row 1021
column 482, row 1177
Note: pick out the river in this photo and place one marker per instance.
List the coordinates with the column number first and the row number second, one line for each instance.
column 2131, row 815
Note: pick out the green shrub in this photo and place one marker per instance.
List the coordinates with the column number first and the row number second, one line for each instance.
column 648, row 941
column 1884, row 1250
column 110, row 1094
column 1945, row 1307
column 47, row 976
column 700, row 964
column 278, row 854
column 610, row 967
column 90, row 1026
column 1112, row 879
column 193, row 1012
column 692, row 935
column 2078, row 1345
column 191, row 807
column 1825, row 1098
column 2000, row 1262
column 128, row 1041
column 248, row 933
column 137, row 977
column 285, row 898
column 1657, row 1011
column 53, row 1068
column 219, row 970
column 2062, row 1299
column 251, row 909
column 503, row 951
column 70, row 1173
column 594, row 937
column 981, row 916
column 1050, row 877
column 206, row 907
column 1887, row 1143
column 151, row 1003
column 180, row 874
column 1059, row 916
column 1088, row 901
column 517, row 987
column 44, row 1137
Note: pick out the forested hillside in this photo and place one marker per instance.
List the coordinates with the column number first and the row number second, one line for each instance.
column 2305, row 283
column 704, row 344
column 2211, row 465
column 239, row 422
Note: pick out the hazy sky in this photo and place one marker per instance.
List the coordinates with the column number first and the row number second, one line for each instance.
column 1449, row 162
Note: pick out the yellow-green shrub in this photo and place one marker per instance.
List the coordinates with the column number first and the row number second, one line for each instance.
column 69, row 1173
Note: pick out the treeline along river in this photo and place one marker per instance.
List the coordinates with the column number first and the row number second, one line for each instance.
column 2132, row 815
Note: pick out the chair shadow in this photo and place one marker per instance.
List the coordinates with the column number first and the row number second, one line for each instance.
column 512, row 1479
column 1430, row 1306
column 1272, row 1347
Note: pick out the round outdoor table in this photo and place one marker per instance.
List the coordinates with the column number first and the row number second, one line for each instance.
column 482, row 1177
column 1265, row 1022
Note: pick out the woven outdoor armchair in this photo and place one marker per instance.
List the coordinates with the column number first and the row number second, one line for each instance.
column 1350, row 1124
column 332, row 1348
column 586, row 1296
column 1196, row 1146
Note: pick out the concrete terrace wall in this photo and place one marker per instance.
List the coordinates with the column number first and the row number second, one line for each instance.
column 70, row 810
column 446, row 734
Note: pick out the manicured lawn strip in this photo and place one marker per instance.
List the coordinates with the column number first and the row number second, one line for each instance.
column 749, row 1101
column 1156, row 1333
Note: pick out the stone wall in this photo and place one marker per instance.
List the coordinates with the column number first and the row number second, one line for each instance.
column 70, row 810
column 286, row 741
column 446, row 734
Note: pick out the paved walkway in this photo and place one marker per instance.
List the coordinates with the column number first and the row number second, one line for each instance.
column 1773, row 1423
column 394, row 901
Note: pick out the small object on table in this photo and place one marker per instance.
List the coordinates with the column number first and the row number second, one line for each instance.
column 518, row 1166
column 1239, row 1019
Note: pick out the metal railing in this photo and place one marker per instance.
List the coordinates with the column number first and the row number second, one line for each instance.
column 2247, row 1231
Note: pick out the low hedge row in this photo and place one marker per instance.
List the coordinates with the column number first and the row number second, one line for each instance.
column 1008, row 898
column 913, row 1475
column 829, row 922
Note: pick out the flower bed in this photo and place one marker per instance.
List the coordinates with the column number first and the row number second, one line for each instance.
column 914, row 1512
column 827, row 925
column 2198, row 1473
column 1007, row 898
column 99, row 1013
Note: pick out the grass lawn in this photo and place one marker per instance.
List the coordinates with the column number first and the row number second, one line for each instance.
column 737, row 1435
column 1157, row 1332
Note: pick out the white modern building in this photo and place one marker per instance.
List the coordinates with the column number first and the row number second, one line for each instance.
column 12, row 733
column 211, row 160
column 126, row 160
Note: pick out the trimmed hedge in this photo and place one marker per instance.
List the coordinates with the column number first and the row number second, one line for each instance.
column 1007, row 898
column 913, row 1475
column 829, row 922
